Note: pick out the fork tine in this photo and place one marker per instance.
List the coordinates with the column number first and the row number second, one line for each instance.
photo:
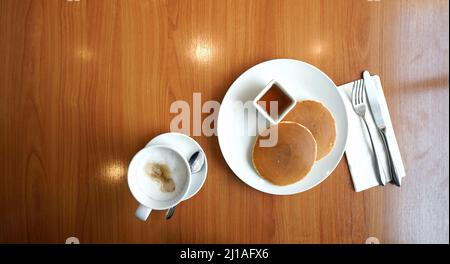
column 361, row 83
column 363, row 90
column 359, row 92
column 354, row 93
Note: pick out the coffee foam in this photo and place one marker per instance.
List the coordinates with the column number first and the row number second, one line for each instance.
column 178, row 173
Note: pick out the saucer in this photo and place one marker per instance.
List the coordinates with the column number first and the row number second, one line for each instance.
column 186, row 146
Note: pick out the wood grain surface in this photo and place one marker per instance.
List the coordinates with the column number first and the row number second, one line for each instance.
column 85, row 84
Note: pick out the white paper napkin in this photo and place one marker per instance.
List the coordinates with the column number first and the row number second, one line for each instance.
column 358, row 150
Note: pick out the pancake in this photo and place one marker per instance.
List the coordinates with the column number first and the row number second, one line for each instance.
column 319, row 120
column 290, row 159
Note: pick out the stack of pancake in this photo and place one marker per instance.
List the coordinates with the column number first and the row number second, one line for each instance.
column 306, row 135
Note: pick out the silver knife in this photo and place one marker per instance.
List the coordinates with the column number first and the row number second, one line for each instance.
column 374, row 103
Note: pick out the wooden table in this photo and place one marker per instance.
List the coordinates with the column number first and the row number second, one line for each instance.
column 85, row 84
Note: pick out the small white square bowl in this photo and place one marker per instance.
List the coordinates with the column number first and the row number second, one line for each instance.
column 263, row 112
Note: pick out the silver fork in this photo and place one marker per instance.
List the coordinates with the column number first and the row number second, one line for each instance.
column 359, row 106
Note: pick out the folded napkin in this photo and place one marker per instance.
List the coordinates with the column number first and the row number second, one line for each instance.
column 358, row 150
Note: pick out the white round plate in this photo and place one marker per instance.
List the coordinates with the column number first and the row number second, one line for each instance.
column 186, row 146
column 303, row 81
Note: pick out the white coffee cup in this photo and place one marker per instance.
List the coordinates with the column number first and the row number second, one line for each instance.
column 143, row 188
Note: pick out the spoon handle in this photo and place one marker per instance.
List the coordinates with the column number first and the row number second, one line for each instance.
column 170, row 212
column 196, row 162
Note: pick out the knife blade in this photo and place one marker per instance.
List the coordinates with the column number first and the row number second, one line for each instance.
column 375, row 107
column 374, row 102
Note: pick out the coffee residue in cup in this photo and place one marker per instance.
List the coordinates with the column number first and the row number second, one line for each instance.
column 160, row 173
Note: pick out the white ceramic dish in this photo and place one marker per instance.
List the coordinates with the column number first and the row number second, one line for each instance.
column 263, row 112
column 142, row 187
column 235, row 131
column 186, row 146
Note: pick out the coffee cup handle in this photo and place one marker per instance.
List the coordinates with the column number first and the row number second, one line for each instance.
column 142, row 212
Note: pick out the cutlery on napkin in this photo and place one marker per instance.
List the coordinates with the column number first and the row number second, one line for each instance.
column 358, row 150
